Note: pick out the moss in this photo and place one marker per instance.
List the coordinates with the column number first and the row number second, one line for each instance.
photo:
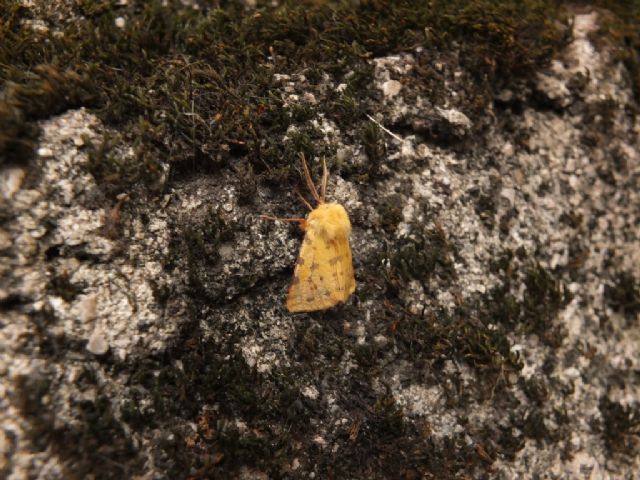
column 44, row 91
column 544, row 298
column 17, row 135
column 375, row 148
column 198, row 373
column 200, row 244
column 420, row 256
column 624, row 294
column 96, row 442
column 118, row 171
column 600, row 116
column 202, row 80
column 536, row 390
column 195, row 89
column 621, row 29
column 204, row 381
column 246, row 183
column 61, row 286
column 390, row 210
column 620, row 427
column 29, row 391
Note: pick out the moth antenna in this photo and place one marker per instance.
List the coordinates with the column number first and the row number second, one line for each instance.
column 307, row 177
column 304, row 200
column 325, row 179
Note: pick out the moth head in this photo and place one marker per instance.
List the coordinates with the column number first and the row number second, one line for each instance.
column 330, row 220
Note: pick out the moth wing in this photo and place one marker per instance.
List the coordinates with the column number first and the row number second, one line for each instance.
column 323, row 275
column 341, row 268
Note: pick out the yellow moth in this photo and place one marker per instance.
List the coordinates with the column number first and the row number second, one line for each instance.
column 323, row 276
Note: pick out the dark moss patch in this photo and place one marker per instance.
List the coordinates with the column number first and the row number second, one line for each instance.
column 600, row 116
column 196, row 88
column 375, row 147
column 461, row 335
column 213, row 387
column 620, row 427
column 246, row 183
column 624, row 295
column 28, row 393
column 536, row 390
column 96, row 443
column 14, row 302
column 17, row 135
column 61, row 286
column 117, row 171
column 100, row 439
column 199, row 243
column 621, row 28
column 544, row 297
column 390, row 210
column 204, row 381
column 421, row 256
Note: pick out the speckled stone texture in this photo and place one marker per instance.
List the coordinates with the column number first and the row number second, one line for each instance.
column 134, row 331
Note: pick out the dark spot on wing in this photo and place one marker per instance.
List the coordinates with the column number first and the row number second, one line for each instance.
column 295, row 281
column 300, row 261
column 314, row 266
column 335, row 260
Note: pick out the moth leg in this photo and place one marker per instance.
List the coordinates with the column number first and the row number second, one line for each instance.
column 302, row 222
column 307, row 177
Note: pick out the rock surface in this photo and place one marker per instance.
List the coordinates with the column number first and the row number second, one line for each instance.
column 148, row 338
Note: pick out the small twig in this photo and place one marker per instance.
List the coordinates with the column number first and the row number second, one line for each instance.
column 384, row 129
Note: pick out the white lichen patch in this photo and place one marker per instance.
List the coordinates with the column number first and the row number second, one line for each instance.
column 88, row 290
column 532, row 192
column 267, row 351
column 582, row 60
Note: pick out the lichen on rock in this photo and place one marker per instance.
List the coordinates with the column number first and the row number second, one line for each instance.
column 487, row 154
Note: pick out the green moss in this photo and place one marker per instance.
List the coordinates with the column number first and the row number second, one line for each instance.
column 206, row 382
column 17, row 135
column 246, row 183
